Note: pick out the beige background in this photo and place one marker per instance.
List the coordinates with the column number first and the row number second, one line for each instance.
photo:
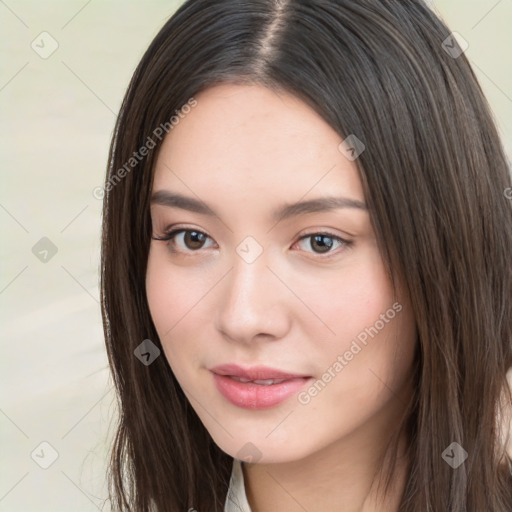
column 57, row 115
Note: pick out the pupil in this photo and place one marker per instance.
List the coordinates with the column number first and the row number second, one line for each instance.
column 194, row 240
column 322, row 246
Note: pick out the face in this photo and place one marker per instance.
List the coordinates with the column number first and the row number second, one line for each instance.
column 278, row 321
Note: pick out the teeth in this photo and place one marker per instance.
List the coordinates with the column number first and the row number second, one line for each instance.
column 268, row 382
column 240, row 379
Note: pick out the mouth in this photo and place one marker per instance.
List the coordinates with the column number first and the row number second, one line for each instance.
column 260, row 382
column 257, row 387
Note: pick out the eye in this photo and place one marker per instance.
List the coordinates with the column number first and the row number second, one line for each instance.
column 323, row 243
column 192, row 239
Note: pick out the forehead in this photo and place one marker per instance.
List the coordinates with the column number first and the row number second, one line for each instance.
column 249, row 142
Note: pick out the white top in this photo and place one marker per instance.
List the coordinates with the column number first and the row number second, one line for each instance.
column 236, row 500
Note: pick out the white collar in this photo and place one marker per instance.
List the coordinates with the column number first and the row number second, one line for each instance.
column 236, row 500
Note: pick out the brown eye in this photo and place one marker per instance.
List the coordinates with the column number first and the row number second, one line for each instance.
column 321, row 243
column 192, row 240
column 324, row 243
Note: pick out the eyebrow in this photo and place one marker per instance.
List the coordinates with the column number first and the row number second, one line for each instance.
column 321, row 204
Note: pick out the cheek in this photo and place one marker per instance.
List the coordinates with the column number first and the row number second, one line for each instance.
column 162, row 293
column 178, row 298
column 372, row 332
column 171, row 297
column 353, row 300
column 173, row 291
column 371, row 357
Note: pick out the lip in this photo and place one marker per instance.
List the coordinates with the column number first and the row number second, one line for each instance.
column 255, row 372
column 250, row 395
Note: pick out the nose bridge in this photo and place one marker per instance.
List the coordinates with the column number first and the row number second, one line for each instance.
column 251, row 301
column 248, row 284
column 249, row 262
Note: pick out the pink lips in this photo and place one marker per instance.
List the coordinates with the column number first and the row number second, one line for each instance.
column 258, row 387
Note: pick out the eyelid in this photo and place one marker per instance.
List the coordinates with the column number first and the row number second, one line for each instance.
column 326, row 232
column 170, row 233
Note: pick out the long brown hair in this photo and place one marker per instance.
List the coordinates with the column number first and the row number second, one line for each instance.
column 434, row 175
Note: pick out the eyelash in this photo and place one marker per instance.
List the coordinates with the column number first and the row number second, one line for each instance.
column 170, row 235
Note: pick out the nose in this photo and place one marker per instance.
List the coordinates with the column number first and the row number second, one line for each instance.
column 253, row 303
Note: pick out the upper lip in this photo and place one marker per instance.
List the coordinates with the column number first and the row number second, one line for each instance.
column 255, row 372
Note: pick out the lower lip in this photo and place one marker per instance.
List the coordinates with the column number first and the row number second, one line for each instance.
column 256, row 396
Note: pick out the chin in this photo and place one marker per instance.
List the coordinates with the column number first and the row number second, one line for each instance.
column 259, row 447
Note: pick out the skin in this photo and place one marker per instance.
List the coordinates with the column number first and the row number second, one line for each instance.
column 245, row 150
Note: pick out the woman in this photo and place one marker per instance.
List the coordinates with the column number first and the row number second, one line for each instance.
column 306, row 275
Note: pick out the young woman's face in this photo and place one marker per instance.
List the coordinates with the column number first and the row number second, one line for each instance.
column 293, row 299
